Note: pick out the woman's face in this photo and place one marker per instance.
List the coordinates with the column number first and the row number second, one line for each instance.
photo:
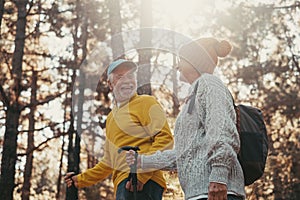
column 123, row 83
column 187, row 72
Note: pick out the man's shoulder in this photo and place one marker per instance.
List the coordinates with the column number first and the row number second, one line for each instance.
column 145, row 98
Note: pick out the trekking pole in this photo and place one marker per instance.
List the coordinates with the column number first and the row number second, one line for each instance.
column 72, row 192
column 133, row 168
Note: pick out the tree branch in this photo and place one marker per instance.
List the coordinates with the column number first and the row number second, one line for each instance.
column 39, row 129
column 296, row 5
column 4, row 97
column 38, row 147
column 47, row 100
column 271, row 6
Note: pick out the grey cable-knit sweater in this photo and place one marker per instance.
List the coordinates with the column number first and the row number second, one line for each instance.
column 206, row 142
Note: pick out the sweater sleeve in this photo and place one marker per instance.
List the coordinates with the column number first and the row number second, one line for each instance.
column 94, row 175
column 222, row 136
column 98, row 172
column 165, row 160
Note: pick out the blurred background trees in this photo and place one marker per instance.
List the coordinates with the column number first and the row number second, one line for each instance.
column 54, row 98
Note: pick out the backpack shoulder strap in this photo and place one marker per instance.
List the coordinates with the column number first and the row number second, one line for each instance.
column 238, row 115
column 192, row 99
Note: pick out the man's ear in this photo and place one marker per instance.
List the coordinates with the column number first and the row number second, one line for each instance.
column 110, row 85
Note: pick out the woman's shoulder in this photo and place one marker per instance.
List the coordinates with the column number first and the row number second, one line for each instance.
column 210, row 81
column 210, row 77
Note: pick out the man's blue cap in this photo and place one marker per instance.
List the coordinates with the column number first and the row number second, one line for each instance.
column 117, row 63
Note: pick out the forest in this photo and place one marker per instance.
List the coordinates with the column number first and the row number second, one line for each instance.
column 54, row 96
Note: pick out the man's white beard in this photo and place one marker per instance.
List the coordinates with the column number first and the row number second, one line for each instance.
column 125, row 93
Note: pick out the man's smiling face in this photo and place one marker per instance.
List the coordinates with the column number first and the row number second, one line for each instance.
column 123, row 82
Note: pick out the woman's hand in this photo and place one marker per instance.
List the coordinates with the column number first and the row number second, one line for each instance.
column 130, row 158
column 70, row 179
column 217, row 191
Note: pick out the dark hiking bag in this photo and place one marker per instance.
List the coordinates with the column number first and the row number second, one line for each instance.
column 253, row 139
column 254, row 142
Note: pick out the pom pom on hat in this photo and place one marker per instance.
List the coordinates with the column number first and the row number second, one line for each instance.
column 203, row 53
column 223, row 48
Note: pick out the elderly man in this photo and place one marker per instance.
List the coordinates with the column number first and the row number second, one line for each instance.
column 135, row 120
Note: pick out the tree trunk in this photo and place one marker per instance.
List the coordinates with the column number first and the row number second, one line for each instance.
column 9, row 156
column 13, row 110
column 72, row 192
column 1, row 12
column 144, row 72
column 30, row 141
column 115, row 22
column 60, row 168
column 74, row 148
column 82, row 86
column 175, row 88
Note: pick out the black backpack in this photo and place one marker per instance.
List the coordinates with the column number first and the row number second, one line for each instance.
column 254, row 142
column 253, row 137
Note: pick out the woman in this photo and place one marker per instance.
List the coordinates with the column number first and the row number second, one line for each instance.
column 206, row 138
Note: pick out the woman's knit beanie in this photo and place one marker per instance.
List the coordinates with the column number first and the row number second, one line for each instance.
column 203, row 53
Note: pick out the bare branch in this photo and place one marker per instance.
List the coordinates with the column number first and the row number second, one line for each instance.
column 271, row 6
column 40, row 145
column 296, row 5
column 47, row 100
column 38, row 129
column 4, row 97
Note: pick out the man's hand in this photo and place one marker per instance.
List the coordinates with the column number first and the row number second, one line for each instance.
column 217, row 191
column 129, row 186
column 71, row 179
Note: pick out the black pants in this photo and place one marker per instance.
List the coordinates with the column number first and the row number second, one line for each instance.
column 229, row 197
column 151, row 191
